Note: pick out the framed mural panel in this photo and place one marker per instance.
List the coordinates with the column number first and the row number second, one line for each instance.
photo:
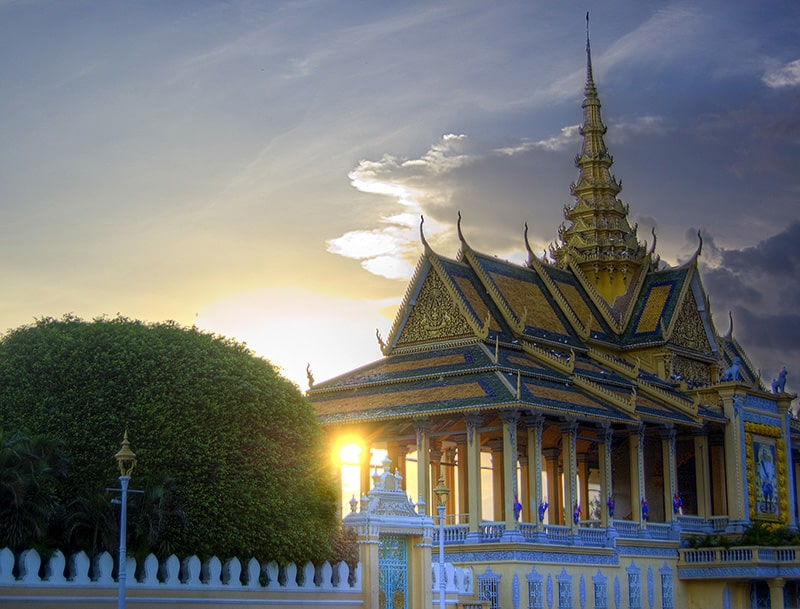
column 766, row 491
column 766, row 473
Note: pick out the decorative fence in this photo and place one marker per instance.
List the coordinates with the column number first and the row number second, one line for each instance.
column 28, row 581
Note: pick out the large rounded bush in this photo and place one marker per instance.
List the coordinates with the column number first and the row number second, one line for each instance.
column 230, row 445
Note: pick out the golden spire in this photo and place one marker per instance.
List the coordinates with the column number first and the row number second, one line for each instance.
column 599, row 238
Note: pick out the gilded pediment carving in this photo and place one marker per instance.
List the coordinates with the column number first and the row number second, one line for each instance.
column 433, row 316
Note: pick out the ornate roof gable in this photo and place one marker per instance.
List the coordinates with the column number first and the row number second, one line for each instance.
column 689, row 330
column 444, row 302
column 432, row 315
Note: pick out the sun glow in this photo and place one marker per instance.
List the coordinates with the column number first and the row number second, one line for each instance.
column 293, row 328
column 349, row 455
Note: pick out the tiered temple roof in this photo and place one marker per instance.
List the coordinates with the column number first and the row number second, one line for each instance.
column 601, row 330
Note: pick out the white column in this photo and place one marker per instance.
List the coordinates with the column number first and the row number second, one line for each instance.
column 535, row 426
column 423, row 429
column 636, row 439
column 606, row 434
column 569, row 436
column 670, row 475
column 510, row 419
column 473, row 459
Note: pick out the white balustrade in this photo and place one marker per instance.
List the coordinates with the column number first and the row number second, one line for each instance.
column 79, row 571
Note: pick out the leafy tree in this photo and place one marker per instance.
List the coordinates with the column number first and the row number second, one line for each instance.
column 229, row 452
column 31, row 470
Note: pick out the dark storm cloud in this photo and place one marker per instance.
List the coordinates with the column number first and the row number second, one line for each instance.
column 776, row 331
column 760, row 287
column 728, row 287
column 777, row 258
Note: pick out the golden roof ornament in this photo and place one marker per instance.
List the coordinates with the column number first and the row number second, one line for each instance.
column 126, row 458
column 597, row 236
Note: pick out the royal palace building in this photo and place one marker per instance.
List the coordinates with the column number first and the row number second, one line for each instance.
column 605, row 446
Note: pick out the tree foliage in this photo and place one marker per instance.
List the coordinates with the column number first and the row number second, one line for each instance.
column 31, row 472
column 229, row 452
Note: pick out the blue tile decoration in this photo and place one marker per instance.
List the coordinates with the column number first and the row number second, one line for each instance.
column 634, row 587
column 564, row 580
column 600, row 582
column 667, row 594
column 535, row 589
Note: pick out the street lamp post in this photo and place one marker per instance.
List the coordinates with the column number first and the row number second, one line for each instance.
column 126, row 459
column 442, row 492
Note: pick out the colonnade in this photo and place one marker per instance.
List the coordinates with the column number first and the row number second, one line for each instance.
column 519, row 456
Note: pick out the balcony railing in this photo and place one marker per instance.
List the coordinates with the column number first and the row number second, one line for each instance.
column 588, row 532
column 742, row 562
column 701, row 526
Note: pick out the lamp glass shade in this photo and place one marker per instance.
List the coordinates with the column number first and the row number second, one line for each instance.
column 441, row 491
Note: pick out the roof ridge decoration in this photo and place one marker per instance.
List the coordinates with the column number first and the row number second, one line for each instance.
column 635, row 291
column 627, row 405
column 516, row 322
column 599, row 238
column 548, row 359
column 618, row 365
column 538, row 266
column 601, row 303
column 687, row 407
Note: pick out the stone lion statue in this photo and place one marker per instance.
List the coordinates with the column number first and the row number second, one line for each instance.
column 779, row 384
column 733, row 373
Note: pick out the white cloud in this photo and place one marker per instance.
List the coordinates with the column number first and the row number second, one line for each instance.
column 568, row 136
column 443, row 157
column 388, row 251
column 635, row 126
column 777, row 77
column 391, row 267
column 360, row 244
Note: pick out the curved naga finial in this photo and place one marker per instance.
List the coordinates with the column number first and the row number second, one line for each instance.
column 653, row 248
column 700, row 245
column 422, row 233
column 730, row 327
column 698, row 251
column 464, row 244
column 310, row 375
column 528, row 245
column 381, row 342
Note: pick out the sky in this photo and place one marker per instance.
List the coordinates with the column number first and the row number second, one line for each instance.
column 258, row 169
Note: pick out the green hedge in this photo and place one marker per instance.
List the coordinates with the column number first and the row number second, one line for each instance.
column 230, row 451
